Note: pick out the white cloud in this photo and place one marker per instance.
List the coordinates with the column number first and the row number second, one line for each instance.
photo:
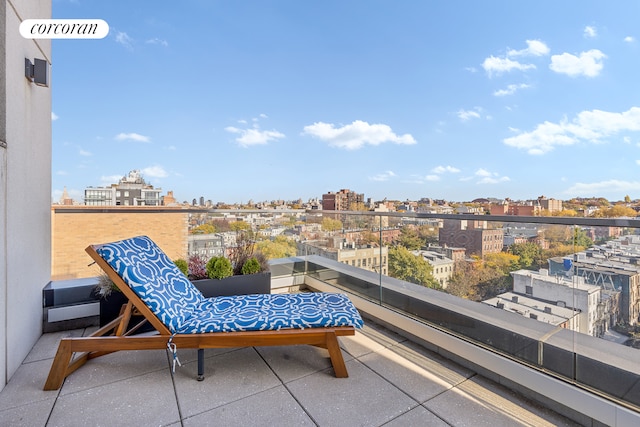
column 158, row 41
column 487, row 177
column 254, row 136
column 511, row 89
column 124, row 39
column 534, row 48
column 608, row 187
column 54, row 116
column 432, row 178
column 356, row 135
column 443, row 169
column 84, row 153
column 590, row 32
column 62, row 173
column 629, row 39
column 494, row 65
column 132, row 137
column 465, row 115
column 588, row 64
column 591, row 126
column 385, row 176
column 154, row 172
column 638, row 162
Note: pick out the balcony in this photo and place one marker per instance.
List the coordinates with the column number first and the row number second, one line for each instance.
column 426, row 357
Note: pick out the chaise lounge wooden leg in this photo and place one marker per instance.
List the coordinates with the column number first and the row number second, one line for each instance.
column 59, row 368
column 335, row 353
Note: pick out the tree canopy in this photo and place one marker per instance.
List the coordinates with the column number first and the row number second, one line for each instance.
column 412, row 268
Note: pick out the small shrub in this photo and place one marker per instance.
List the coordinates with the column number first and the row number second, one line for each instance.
column 251, row 266
column 197, row 267
column 105, row 286
column 219, row 268
column 182, row 265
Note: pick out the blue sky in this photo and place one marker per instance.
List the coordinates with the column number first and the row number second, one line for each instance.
column 263, row 100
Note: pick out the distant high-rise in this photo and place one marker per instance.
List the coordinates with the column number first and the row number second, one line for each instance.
column 131, row 190
column 343, row 200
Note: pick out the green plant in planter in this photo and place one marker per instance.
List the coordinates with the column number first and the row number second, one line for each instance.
column 182, row 265
column 219, row 268
column 251, row 266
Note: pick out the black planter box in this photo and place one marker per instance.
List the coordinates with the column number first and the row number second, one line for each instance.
column 259, row 283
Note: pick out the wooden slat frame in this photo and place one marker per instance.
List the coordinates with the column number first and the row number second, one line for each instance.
column 99, row 343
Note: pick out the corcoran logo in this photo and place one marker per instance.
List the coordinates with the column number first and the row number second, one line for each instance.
column 64, row 29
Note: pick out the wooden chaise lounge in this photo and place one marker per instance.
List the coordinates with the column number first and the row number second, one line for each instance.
column 183, row 318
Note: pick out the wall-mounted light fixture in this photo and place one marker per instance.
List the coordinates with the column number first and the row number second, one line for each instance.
column 36, row 72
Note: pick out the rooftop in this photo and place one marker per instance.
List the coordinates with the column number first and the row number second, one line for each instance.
column 392, row 381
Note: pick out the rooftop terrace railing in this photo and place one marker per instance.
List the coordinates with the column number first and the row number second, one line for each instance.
column 607, row 368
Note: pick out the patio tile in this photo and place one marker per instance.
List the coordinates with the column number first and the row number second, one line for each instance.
column 116, row 367
column 417, row 417
column 296, row 361
column 414, row 373
column 362, row 399
column 147, row 399
column 369, row 339
column 273, row 407
column 46, row 347
column 490, row 405
column 26, row 386
column 30, row 415
column 228, row 377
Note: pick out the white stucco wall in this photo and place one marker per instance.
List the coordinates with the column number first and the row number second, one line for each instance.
column 25, row 187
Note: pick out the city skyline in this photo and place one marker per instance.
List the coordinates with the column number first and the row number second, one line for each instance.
column 288, row 100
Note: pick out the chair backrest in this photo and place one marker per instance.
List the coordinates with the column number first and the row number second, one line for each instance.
column 159, row 283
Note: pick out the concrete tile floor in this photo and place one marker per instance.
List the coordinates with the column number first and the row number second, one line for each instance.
column 392, row 382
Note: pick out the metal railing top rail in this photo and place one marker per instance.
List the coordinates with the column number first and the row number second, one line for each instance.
column 559, row 220
column 556, row 220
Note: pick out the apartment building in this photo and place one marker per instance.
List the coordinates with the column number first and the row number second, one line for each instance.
column 343, row 200
column 572, row 293
column 206, row 245
column 564, row 317
column 613, row 266
column 442, row 266
column 367, row 257
column 131, row 190
column 474, row 236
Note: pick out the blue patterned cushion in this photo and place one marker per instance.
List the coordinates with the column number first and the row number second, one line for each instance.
column 182, row 308
column 273, row 312
column 154, row 278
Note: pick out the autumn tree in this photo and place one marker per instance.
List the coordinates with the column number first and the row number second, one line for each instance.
column 412, row 268
column 279, row 247
column 329, row 224
column 616, row 211
column 208, row 228
column 409, row 238
column 530, row 255
column 481, row 279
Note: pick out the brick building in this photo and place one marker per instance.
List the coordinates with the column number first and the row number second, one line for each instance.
column 343, row 200
column 474, row 236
